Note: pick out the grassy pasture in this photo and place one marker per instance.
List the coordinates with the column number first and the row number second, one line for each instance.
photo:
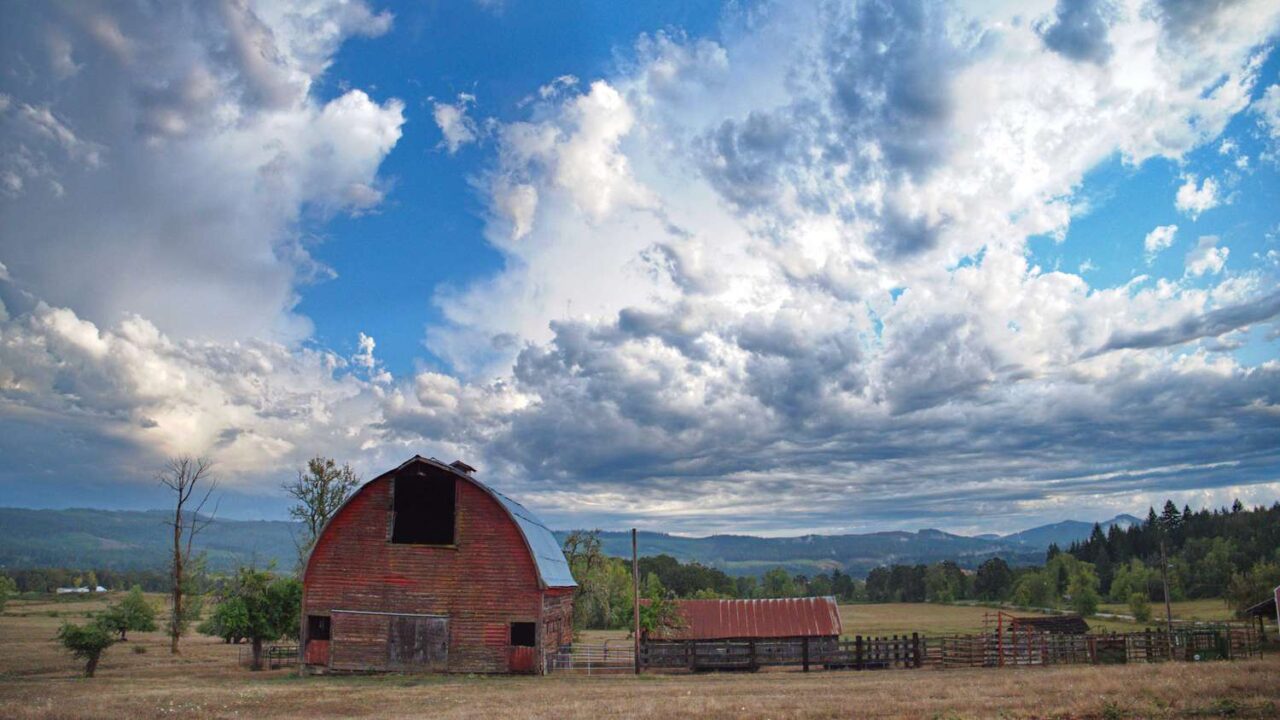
column 38, row 680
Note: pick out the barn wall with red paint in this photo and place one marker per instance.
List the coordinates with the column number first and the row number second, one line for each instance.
column 482, row 584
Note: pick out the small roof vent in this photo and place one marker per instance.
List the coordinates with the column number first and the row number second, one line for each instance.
column 461, row 466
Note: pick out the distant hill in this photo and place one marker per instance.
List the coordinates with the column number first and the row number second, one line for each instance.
column 98, row 539
column 1064, row 533
column 133, row 540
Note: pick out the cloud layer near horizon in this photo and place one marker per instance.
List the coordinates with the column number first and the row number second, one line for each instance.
column 777, row 281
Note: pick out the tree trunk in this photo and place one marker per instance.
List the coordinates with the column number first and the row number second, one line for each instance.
column 257, row 653
column 91, row 666
column 175, row 629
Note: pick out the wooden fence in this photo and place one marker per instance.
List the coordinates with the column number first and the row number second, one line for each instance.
column 1023, row 647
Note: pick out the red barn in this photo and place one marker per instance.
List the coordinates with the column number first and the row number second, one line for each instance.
column 425, row 569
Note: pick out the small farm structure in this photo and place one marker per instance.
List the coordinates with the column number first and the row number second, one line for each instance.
column 746, row 634
column 426, row 569
column 750, row 635
column 1265, row 610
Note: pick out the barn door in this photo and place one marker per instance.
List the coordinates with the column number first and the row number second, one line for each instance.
column 418, row 643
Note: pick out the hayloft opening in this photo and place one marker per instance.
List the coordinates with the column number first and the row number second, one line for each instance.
column 424, row 510
column 523, row 634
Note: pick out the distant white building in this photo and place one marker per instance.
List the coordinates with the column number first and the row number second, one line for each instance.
column 79, row 590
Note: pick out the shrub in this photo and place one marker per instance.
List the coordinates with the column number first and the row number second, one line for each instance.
column 1140, row 607
column 86, row 642
column 131, row 613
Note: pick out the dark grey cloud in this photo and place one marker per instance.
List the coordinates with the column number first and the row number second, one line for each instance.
column 1188, row 18
column 1079, row 30
column 890, row 66
column 1193, row 327
column 880, row 112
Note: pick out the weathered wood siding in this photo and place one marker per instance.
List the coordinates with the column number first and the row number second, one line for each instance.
column 557, row 619
column 486, row 581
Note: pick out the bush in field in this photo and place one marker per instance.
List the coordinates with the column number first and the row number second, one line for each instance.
column 260, row 607
column 86, row 642
column 131, row 613
column 1140, row 607
column 7, row 587
column 227, row 621
column 1083, row 589
column 1253, row 586
column 1033, row 589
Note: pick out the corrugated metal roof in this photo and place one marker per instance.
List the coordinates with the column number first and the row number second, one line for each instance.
column 770, row 618
column 547, row 554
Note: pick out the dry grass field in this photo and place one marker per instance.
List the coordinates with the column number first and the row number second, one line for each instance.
column 38, row 680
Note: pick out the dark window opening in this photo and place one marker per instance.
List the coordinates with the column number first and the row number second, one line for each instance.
column 317, row 627
column 524, row 634
column 424, row 508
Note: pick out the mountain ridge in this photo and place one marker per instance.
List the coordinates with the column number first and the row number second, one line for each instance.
column 87, row 538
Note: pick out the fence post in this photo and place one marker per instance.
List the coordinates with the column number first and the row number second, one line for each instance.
column 915, row 648
column 857, row 657
column 804, row 658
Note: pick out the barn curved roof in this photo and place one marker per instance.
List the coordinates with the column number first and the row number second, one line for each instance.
column 553, row 569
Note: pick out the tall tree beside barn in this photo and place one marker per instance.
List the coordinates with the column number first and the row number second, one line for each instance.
column 319, row 492
column 191, row 481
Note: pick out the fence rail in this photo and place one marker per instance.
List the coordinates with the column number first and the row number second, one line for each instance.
column 1020, row 647
column 595, row 659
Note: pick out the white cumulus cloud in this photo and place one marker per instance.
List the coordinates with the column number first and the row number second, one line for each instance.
column 1194, row 199
column 1206, row 257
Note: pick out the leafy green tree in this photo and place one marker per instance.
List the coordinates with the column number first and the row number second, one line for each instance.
column 603, row 598
column 271, row 608
column 994, row 580
column 1034, row 589
column 227, row 621
column 843, row 585
column 778, row 584
column 8, row 587
column 1252, row 587
column 319, row 491
column 660, row 613
column 86, row 642
column 1140, row 607
column 1130, row 579
column 133, row 612
column 944, row 582
column 1083, row 589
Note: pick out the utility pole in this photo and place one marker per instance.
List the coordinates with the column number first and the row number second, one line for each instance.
column 1164, row 578
column 635, row 596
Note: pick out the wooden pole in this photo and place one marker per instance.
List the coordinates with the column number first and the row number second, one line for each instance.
column 1164, row 578
column 635, row 594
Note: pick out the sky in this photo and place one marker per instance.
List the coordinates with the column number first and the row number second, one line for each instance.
column 752, row 267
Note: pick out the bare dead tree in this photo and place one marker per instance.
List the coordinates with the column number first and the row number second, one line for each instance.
column 188, row 478
column 320, row 491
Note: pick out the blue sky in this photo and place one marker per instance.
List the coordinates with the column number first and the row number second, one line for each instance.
column 434, row 222
column 699, row 267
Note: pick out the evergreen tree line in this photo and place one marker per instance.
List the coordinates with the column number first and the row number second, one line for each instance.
column 1221, row 553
